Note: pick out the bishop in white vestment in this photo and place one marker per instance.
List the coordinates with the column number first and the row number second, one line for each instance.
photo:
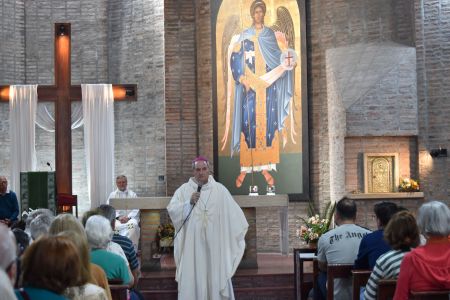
column 127, row 220
column 210, row 244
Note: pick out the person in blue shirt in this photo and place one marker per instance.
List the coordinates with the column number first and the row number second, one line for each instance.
column 373, row 245
column 9, row 207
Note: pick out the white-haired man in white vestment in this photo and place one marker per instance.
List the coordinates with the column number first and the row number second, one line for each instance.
column 211, row 231
column 127, row 220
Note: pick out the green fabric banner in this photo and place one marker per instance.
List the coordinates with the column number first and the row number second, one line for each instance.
column 37, row 190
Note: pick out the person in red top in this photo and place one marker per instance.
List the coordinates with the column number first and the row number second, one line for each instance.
column 427, row 268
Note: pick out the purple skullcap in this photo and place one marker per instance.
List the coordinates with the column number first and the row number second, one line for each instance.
column 200, row 158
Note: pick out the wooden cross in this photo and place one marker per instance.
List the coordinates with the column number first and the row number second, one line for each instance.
column 62, row 93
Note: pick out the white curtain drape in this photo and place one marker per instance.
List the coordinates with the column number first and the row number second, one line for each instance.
column 98, row 112
column 22, row 116
column 46, row 119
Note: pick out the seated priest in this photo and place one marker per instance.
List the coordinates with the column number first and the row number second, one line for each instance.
column 127, row 221
column 9, row 207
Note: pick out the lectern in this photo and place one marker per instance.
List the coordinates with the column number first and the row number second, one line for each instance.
column 37, row 190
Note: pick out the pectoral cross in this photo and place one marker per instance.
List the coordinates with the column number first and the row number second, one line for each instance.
column 63, row 93
column 205, row 217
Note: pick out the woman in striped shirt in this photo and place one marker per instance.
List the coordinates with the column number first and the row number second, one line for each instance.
column 401, row 234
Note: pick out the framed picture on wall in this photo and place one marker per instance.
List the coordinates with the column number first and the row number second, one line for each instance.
column 260, row 97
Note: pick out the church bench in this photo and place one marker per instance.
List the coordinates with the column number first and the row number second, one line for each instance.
column 303, row 282
column 426, row 295
column 386, row 289
column 360, row 278
column 118, row 290
column 336, row 271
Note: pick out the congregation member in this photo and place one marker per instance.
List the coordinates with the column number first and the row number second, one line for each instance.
column 22, row 240
column 22, row 243
column 6, row 288
column 99, row 233
column 127, row 223
column 112, row 246
column 209, row 244
column 83, row 289
column 339, row 246
column 39, row 225
column 43, row 276
column 33, row 215
column 427, row 267
column 109, row 212
column 402, row 234
column 373, row 244
column 67, row 224
column 9, row 207
column 8, row 253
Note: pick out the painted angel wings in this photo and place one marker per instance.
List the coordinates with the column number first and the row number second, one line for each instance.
column 285, row 35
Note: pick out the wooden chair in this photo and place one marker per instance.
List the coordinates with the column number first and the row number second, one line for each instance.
column 360, row 278
column 336, row 271
column 302, row 282
column 386, row 289
column 428, row 295
column 316, row 272
column 118, row 290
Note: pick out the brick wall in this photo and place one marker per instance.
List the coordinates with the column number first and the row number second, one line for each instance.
column 12, row 67
column 334, row 24
column 433, row 66
column 355, row 147
column 136, row 55
column 180, row 91
column 337, row 130
column 112, row 41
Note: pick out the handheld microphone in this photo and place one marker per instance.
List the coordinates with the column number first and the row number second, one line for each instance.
column 199, row 188
column 48, row 164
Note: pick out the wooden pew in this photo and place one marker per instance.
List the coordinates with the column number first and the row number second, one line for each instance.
column 119, row 291
column 430, row 295
column 360, row 278
column 386, row 289
column 336, row 271
column 303, row 282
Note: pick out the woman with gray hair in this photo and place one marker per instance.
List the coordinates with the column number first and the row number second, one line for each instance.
column 39, row 226
column 8, row 252
column 99, row 234
column 34, row 214
column 92, row 277
column 427, row 268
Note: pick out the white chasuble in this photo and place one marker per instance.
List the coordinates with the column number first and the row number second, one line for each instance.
column 209, row 247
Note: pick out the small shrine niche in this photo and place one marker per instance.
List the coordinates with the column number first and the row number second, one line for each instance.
column 381, row 174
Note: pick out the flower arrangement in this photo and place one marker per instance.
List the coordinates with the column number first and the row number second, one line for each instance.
column 317, row 224
column 165, row 234
column 409, row 185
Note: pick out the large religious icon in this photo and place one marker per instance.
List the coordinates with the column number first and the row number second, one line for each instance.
column 260, row 90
